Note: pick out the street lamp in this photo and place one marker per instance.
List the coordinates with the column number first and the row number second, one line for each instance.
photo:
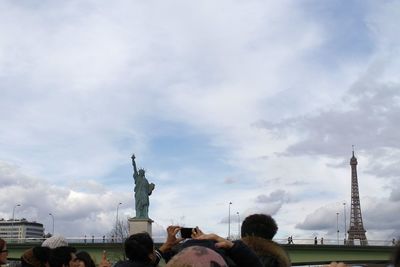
column 238, row 224
column 345, row 223
column 52, row 217
column 337, row 226
column 16, row 205
column 116, row 221
column 12, row 222
column 229, row 220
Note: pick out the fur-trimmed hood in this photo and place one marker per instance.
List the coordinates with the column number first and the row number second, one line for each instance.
column 269, row 252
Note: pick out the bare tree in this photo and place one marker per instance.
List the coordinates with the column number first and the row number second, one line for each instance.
column 119, row 232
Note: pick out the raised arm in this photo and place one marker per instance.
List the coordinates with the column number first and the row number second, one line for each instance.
column 240, row 253
column 135, row 172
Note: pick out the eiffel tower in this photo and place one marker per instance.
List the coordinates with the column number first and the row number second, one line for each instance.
column 356, row 230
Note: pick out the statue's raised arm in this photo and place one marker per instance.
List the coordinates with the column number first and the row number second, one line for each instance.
column 135, row 172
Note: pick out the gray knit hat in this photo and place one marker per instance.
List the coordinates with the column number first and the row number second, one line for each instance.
column 55, row 241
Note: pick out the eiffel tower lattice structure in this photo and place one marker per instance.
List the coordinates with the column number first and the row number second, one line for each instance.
column 356, row 230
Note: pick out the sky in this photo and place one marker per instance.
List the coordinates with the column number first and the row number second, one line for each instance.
column 252, row 102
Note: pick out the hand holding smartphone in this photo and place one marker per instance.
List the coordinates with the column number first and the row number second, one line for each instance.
column 186, row 232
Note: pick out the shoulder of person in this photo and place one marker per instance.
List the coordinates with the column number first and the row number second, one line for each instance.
column 265, row 248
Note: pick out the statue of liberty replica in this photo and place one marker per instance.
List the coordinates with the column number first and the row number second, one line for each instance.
column 143, row 189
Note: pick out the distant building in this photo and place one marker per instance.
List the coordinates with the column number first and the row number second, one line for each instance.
column 20, row 229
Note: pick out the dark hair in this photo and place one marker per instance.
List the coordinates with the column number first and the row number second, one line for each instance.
column 61, row 256
column 85, row 257
column 36, row 257
column 260, row 225
column 396, row 256
column 42, row 253
column 2, row 244
column 139, row 246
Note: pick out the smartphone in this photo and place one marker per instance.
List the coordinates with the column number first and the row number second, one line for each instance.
column 186, row 232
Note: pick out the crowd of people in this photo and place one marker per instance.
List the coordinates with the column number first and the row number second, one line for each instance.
column 255, row 248
column 53, row 252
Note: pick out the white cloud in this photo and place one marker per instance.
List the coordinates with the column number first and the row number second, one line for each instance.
column 277, row 101
column 70, row 208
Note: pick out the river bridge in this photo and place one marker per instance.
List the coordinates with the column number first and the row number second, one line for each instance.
column 300, row 254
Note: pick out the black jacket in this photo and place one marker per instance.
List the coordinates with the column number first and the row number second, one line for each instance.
column 243, row 256
column 129, row 263
column 270, row 253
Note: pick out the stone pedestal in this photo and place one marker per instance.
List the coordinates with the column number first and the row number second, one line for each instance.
column 139, row 226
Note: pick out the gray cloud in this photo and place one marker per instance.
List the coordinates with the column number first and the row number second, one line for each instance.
column 270, row 208
column 93, row 213
column 225, row 220
column 332, row 132
column 9, row 175
column 380, row 214
column 266, row 204
column 230, row 180
column 298, row 183
column 275, row 196
column 272, row 181
column 323, row 218
column 395, row 193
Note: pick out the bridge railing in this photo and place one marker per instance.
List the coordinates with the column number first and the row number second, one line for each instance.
column 74, row 240
column 311, row 241
column 161, row 239
column 302, row 252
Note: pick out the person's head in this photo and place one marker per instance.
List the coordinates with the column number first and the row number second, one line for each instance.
column 63, row 257
column 84, row 259
column 3, row 251
column 198, row 256
column 139, row 247
column 260, row 225
column 36, row 257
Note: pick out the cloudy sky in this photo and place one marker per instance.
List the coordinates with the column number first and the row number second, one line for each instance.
column 257, row 103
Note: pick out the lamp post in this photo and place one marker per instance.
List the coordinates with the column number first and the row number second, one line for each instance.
column 345, row 223
column 229, row 220
column 337, row 226
column 117, row 222
column 238, row 224
column 52, row 217
column 12, row 222
column 16, row 205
